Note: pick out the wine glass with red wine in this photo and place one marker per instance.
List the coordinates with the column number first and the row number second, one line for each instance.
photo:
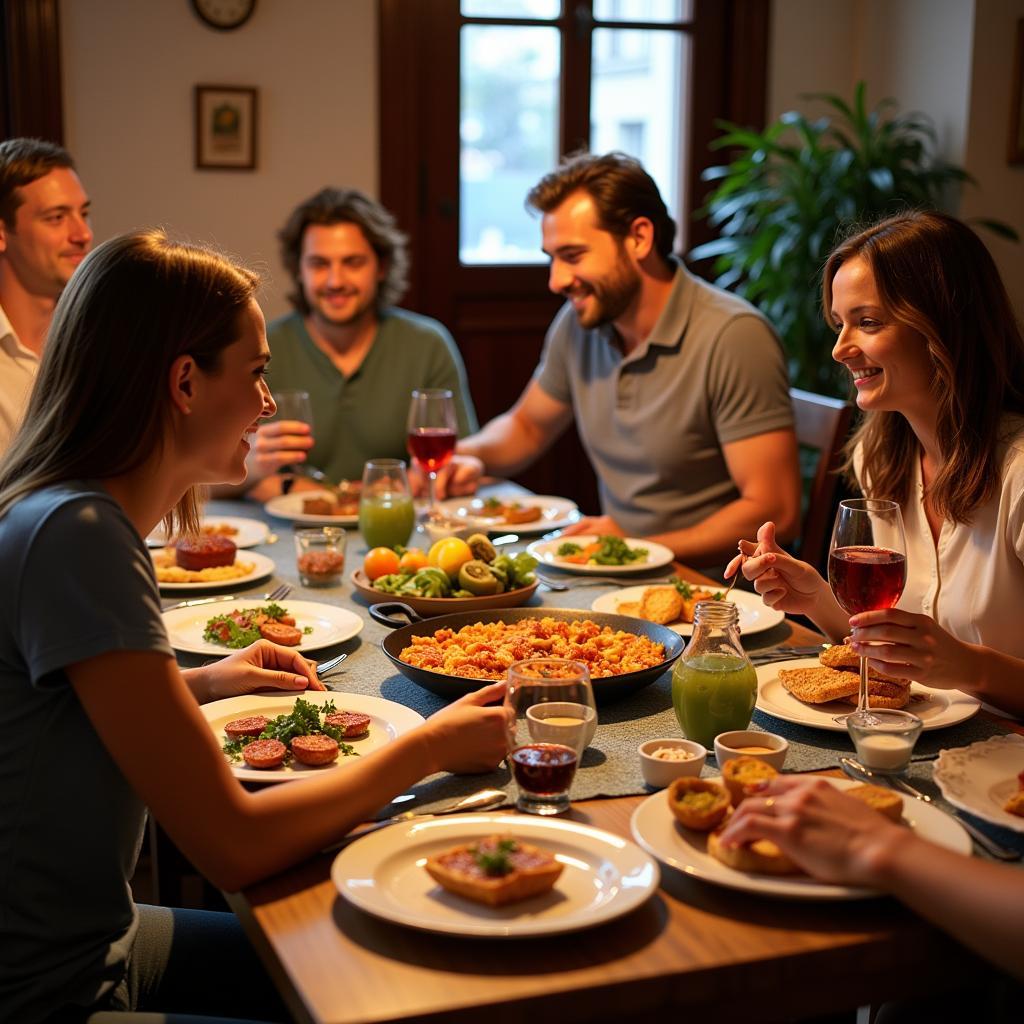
column 551, row 719
column 867, row 563
column 432, row 430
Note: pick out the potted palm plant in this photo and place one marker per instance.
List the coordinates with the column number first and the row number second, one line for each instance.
column 791, row 191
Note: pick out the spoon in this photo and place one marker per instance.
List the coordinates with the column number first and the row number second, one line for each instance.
column 482, row 800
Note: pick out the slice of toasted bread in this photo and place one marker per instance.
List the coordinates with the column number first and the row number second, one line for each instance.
column 818, row 685
column 697, row 803
column 883, row 800
column 842, row 656
column 894, row 701
column 661, row 605
column 762, row 856
column 1015, row 805
column 533, row 871
column 744, row 775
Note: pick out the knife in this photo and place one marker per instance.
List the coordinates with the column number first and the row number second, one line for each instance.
column 857, row 771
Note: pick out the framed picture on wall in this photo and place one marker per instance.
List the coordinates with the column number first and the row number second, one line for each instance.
column 1015, row 141
column 225, row 127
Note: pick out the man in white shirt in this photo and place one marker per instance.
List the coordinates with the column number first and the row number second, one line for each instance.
column 44, row 235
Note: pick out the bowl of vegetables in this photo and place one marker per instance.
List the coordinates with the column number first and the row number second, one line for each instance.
column 458, row 575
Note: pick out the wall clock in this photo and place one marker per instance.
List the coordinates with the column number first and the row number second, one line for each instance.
column 224, row 14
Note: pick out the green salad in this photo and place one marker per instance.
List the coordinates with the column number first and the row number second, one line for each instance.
column 607, row 550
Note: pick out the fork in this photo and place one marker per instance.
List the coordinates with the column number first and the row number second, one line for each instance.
column 598, row 581
column 277, row 594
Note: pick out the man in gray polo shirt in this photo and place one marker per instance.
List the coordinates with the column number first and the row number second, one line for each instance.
column 678, row 389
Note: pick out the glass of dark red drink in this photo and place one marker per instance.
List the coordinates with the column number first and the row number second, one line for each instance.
column 867, row 563
column 432, row 430
column 545, row 748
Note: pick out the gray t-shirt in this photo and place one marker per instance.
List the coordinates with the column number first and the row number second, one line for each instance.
column 654, row 422
column 77, row 582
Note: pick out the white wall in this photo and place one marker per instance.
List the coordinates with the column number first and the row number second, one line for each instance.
column 129, row 69
column 951, row 59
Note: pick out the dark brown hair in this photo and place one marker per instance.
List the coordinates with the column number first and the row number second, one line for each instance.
column 348, row 206
column 100, row 404
column 621, row 191
column 934, row 275
column 22, row 161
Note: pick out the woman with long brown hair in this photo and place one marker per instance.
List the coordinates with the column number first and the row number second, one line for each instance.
column 926, row 329
column 151, row 384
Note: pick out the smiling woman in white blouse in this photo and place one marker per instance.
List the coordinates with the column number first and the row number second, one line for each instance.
column 926, row 329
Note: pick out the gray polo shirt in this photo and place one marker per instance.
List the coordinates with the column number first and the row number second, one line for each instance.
column 654, row 422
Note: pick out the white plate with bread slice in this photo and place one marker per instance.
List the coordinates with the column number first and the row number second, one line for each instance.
column 603, row 876
column 936, row 708
column 655, row 828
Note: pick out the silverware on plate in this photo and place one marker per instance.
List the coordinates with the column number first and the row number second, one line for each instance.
column 857, row 771
column 277, row 594
column 482, row 800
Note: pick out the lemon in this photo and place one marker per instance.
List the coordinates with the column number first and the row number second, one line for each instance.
column 449, row 555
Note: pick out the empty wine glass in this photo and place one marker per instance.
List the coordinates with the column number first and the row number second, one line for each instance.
column 551, row 719
column 432, row 430
column 867, row 564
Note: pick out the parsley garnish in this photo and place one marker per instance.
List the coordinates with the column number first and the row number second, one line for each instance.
column 302, row 720
column 496, row 861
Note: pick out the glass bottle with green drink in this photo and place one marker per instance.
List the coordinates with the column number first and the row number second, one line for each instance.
column 386, row 513
column 714, row 685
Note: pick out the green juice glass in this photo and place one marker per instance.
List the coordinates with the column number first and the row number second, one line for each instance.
column 386, row 512
column 714, row 686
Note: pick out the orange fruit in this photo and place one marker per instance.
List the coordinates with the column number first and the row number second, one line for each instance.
column 413, row 560
column 380, row 562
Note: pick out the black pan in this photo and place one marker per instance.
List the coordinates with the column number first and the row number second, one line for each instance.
column 606, row 689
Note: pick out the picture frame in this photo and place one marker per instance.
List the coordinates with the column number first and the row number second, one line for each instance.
column 225, row 127
column 1015, row 137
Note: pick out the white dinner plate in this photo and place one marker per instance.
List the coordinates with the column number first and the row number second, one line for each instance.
column 655, row 828
column 980, row 778
column 261, row 568
column 249, row 532
column 289, row 506
column 388, row 720
column 603, row 876
column 755, row 616
column 938, row 709
column 545, row 551
column 556, row 513
column 329, row 623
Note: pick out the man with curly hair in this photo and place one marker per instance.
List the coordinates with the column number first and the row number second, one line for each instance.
column 357, row 354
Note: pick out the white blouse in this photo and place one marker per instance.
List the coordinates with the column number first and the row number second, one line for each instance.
column 972, row 581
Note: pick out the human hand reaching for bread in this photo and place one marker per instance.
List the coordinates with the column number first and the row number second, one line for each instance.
column 830, row 835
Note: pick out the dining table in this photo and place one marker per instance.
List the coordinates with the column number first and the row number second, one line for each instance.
column 720, row 953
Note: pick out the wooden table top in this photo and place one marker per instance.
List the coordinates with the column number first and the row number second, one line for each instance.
column 692, row 946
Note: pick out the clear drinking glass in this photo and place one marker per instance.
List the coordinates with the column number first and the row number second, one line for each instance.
column 386, row 513
column 867, row 563
column 884, row 739
column 320, row 555
column 292, row 405
column 433, row 428
column 551, row 719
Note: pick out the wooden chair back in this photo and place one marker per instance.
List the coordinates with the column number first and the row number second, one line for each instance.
column 822, row 424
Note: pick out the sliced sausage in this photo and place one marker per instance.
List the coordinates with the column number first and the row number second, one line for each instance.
column 314, row 750
column 245, row 727
column 351, row 723
column 264, row 753
column 287, row 636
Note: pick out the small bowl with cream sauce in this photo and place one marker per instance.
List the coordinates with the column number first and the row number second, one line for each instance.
column 766, row 746
column 665, row 760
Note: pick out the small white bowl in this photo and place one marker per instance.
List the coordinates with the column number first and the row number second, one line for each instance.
column 450, row 526
column 660, row 773
column 541, row 732
column 727, row 746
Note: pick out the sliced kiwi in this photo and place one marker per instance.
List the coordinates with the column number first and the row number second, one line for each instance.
column 477, row 578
